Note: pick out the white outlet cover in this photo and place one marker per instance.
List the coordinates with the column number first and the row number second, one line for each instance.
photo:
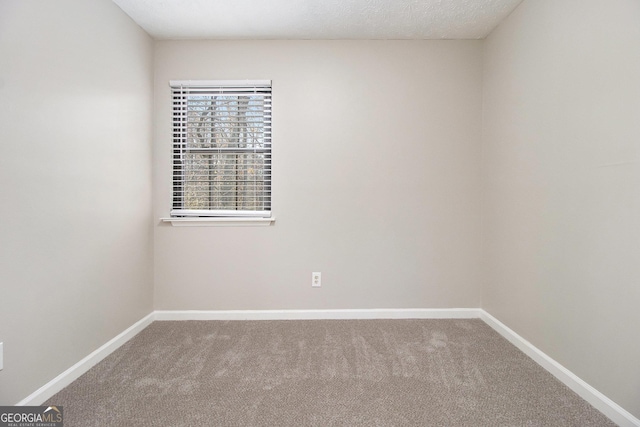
column 316, row 279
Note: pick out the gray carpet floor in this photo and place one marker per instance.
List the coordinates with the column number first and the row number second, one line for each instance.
column 321, row 373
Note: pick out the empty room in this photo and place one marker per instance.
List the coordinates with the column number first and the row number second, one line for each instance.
column 320, row 213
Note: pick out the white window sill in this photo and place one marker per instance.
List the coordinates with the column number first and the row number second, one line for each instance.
column 219, row 222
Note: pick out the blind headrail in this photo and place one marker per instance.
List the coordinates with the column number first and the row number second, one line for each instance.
column 219, row 83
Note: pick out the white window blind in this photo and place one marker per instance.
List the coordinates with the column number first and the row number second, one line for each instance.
column 221, row 148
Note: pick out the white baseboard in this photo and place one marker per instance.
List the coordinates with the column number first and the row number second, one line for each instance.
column 602, row 403
column 45, row 392
column 377, row 313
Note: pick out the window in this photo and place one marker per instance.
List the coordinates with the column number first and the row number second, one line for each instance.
column 221, row 148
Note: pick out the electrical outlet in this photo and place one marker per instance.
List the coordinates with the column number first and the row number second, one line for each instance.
column 1, row 357
column 316, row 279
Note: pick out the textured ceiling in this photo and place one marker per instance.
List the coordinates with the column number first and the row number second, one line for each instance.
column 318, row 19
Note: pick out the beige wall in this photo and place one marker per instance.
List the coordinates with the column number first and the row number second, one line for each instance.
column 75, row 184
column 375, row 182
column 561, row 171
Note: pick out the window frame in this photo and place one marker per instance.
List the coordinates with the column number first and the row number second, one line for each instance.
column 180, row 91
